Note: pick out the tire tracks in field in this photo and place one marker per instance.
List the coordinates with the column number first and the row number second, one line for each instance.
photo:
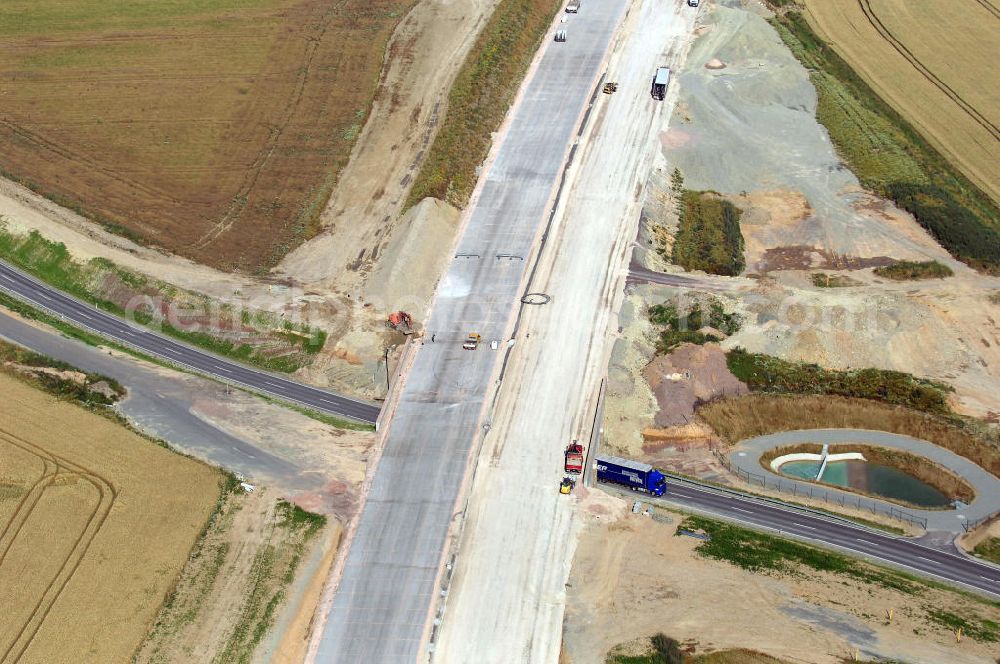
column 991, row 8
column 242, row 197
column 886, row 34
column 37, row 141
column 107, row 495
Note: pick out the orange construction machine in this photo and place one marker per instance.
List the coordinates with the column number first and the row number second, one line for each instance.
column 574, row 458
column 401, row 321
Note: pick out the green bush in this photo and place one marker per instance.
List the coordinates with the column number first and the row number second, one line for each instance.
column 956, row 227
column 709, row 237
column 909, row 270
column 764, row 373
column 684, row 328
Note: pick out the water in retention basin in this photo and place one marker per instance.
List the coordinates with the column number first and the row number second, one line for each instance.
column 871, row 478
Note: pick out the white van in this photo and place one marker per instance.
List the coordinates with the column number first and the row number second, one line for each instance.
column 574, row 6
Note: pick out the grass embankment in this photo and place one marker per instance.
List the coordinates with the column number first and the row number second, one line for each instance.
column 708, row 237
column 480, row 98
column 665, row 650
column 759, row 414
column 233, row 581
column 890, row 157
column 989, row 549
column 687, row 327
column 911, row 270
column 925, row 470
column 757, row 552
column 279, row 345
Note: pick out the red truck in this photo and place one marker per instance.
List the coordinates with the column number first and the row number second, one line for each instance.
column 574, row 458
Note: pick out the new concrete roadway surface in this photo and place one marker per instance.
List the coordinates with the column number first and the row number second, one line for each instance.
column 385, row 595
column 47, row 298
column 506, row 597
column 787, row 521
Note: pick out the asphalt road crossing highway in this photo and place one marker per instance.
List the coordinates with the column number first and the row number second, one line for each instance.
column 83, row 315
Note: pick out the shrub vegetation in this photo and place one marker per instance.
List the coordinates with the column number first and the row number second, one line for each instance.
column 823, row 280
column 910, row 270
column 60, row 386
column 709, row 237
column 684, row 328
column 764, row 373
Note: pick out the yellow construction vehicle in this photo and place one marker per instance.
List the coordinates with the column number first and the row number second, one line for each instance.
column 472, row 341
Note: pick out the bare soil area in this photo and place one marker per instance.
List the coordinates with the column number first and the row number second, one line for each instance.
column 362, row 220
column 97, row 526
column 214, row 132
column 632, row 578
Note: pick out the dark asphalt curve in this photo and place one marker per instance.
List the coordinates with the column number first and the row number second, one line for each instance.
column 45, row 297
column 953, row 568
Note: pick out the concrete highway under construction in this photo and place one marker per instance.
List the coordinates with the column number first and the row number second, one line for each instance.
column 383, row 602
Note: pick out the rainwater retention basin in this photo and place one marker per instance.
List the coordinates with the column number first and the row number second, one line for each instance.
column 871, row 478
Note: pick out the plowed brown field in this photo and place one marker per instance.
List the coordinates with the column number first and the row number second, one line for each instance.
column 935, row 62
column 95, row 525
column 212, row 128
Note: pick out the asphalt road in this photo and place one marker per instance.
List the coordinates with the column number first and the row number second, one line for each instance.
column 951, row 567
column 385, row 596
column 83, row 315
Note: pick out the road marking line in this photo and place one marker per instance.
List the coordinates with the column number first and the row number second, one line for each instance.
column 800, row 525
column 930, row 560
column 742, row 510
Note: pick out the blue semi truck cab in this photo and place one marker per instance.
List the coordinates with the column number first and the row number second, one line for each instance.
column 633, row 474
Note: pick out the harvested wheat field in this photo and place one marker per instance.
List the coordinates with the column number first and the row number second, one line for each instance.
column 935, row 62
column 215, row 129
column 95, row 525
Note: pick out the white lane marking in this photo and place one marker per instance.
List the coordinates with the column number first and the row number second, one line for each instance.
column 800, row 525
column 930, row 560
column 737, row 509
column 869, row 543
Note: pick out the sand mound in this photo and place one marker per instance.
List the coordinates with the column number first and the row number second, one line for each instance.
column 715, row 63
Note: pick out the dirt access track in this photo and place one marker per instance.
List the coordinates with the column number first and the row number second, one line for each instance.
column 216, row 133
